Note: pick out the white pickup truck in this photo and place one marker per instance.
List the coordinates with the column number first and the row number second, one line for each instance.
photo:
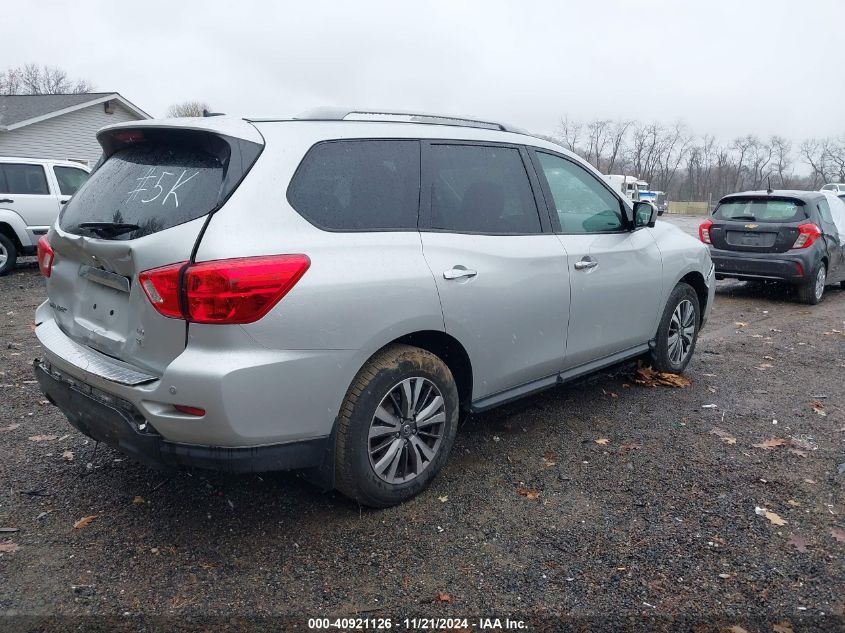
column 32, row 192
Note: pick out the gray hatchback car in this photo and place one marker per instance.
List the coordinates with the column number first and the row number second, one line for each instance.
column 331, row 292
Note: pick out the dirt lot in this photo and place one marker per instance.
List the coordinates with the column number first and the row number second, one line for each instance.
column 642, row 512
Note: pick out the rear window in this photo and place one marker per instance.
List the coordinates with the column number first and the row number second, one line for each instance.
column 755, row 210
column 23, row 179
column 155, row 181
column 357, row 185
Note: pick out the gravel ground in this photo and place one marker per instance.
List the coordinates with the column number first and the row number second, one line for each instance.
column 606, row 503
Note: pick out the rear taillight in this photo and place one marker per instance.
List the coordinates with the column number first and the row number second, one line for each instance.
column 45, row 256
column 225, row 291
column 807, row 234
column 162, row 288
column 704, row 231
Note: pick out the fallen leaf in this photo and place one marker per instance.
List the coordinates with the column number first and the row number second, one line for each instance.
column 724, row 576
column 795, row 451
column 442, row 596
column 798, row 542
column 629, row 446
column 84, row 522
column 43, row 438
column 772, row 442
column 793, row 503
column 771, row 516
column 528, row 494
column 68, row 456
column 549, row 459
column 818, row 407
column 741, row 324
column 727, row 438
column 602, row 440
column 11, row 427
column 838, row 534
column 810, row 481
column 8, row 548
column 736, row 628
column 649, row 377
column 443, row 499
column 782, row 627
column 138, row 500
column 764, row 366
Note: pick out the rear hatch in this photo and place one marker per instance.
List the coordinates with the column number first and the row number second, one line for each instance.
column 144, row 206
column 757, row 224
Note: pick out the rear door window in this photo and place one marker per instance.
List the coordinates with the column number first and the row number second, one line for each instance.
column 23, row 179
column 70, row 179
column 158, row 180
column 359, row 185
column 481, row 189
column 756, row 210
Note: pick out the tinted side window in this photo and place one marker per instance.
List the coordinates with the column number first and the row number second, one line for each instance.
column 481, row 189
column 70, row 179
column 359, row 185
column 583, row 204
column 24, row 179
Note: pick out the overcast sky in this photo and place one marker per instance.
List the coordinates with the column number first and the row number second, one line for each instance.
column 723, row 67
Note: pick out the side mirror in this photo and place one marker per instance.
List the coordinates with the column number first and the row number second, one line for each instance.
column 644, row 214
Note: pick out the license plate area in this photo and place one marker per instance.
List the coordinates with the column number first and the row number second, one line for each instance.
column 751, row 239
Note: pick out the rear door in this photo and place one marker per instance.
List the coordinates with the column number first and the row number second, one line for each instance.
column 143, row 208
column 831, row 235
column 615, row 273
column 757, row 224
column 24, row 189
column 68, row 181
column 501, row 276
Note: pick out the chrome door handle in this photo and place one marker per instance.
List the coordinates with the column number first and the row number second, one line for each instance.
column 586, row 264
column 458, row 273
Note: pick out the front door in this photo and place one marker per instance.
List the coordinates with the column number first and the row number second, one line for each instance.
column 614, row 273
column 503, row 281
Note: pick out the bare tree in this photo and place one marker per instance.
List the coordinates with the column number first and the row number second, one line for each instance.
column 33, row 79
column 188, row 108
column 782, row 157
column 569, row 133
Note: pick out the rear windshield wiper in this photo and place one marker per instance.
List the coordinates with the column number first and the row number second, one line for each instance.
column 742, row 218
column 109, row 229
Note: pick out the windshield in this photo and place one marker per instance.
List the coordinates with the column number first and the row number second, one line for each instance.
column 767, row 210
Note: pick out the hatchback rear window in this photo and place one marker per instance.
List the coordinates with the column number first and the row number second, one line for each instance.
column 155, row 182
column 756, row 210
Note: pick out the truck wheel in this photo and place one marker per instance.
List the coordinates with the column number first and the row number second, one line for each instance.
column 678, row 331
column 8, row 254
column 396, row 426
column 812, row 290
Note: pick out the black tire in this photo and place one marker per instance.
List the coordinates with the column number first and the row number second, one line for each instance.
column 662, row 352
column 807, row 291
column 355, row 474
column 8, row 248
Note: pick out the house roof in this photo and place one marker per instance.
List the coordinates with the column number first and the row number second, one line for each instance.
column 20, row 110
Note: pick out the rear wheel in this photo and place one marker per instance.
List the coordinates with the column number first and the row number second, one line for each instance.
column 396, row 426
column 678, row 331
column 8, row 254
column 812, row 290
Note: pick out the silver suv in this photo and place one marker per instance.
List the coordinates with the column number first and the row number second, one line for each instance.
column 331, row 292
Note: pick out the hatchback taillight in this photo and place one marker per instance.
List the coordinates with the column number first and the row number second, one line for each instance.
column 45, row 256
column 224, row 291
column 704, row 231
column 807, row 234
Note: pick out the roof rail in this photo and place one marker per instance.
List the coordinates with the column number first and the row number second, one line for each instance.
column 398, row 116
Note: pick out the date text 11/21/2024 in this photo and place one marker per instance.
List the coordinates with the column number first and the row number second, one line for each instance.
column 415, row 624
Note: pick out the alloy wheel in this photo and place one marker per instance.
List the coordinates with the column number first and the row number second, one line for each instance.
column 407, row 430
column 681, row 331
column 821, row 280
column 4, row 256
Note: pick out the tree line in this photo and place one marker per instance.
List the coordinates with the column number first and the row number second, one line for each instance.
column 687, row 166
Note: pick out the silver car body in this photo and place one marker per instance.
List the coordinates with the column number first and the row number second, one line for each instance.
column 527, row 319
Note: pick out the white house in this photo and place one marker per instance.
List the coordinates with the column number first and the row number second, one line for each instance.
column 61, row 126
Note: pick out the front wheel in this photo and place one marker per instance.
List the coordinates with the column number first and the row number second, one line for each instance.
column 678, row 331
column 812, row 290
column 396, row 426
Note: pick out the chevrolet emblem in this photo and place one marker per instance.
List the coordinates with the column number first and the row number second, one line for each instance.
column 751, row 226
